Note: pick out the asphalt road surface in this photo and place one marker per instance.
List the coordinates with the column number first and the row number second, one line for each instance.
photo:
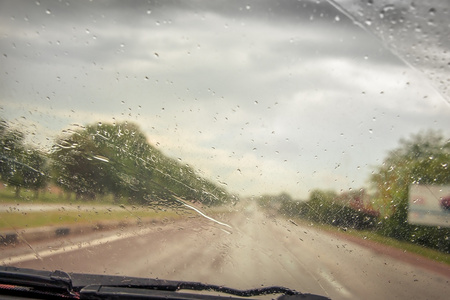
column 256, row 250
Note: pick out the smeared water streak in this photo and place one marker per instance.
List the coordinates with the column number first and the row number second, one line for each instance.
column 202, row 214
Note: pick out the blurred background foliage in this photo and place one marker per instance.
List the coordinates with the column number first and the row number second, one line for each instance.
column 104, row 159
column 421, row 159
column 117, row 160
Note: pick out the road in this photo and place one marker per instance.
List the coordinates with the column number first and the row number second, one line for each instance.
column 256, row 250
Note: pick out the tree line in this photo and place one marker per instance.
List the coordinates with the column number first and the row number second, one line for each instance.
column 421, row 159
column 104, row 159
column 116, row 159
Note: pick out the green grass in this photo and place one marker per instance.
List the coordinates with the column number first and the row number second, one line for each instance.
column 409, row 247
column 18, row 220
column 378, row 238
column 8, row 195
column 121, row 211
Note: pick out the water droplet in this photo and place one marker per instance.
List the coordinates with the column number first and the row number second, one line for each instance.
column 370, row 131
column 247, row 7
column 387, row 8
column 48, row 12
column 149, row 11
column 87, row 31
column 432, row 11
column 368, row 22
column 156, row 54
column 337, row 18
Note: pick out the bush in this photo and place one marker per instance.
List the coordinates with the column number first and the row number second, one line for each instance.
column 397, row 227
column 332, row 213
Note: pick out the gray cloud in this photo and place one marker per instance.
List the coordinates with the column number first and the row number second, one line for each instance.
column 292, row 94
column 417, row 31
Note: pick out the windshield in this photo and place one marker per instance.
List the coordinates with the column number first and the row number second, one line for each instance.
column 288, row 143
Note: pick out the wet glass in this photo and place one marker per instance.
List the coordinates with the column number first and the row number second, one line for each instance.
column 224, row 135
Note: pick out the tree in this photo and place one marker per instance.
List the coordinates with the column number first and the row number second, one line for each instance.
column 117, row 158
column 35, row 170
column 20, row 165
column 421, row 159
column 320, row 206
column 102, row 158
column 327, row 207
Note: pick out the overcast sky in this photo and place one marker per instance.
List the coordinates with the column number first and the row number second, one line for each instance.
column 265, row 96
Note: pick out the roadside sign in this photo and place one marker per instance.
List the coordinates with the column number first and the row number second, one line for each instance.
column 429, row 205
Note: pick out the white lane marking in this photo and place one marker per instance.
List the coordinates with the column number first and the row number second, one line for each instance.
column 79, row 246
column 336, row 285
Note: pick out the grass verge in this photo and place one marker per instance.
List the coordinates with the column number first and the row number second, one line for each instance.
column 18, row 220
column 97, row 212
column 50, row 196
column 375, row 237
column 409, row 247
